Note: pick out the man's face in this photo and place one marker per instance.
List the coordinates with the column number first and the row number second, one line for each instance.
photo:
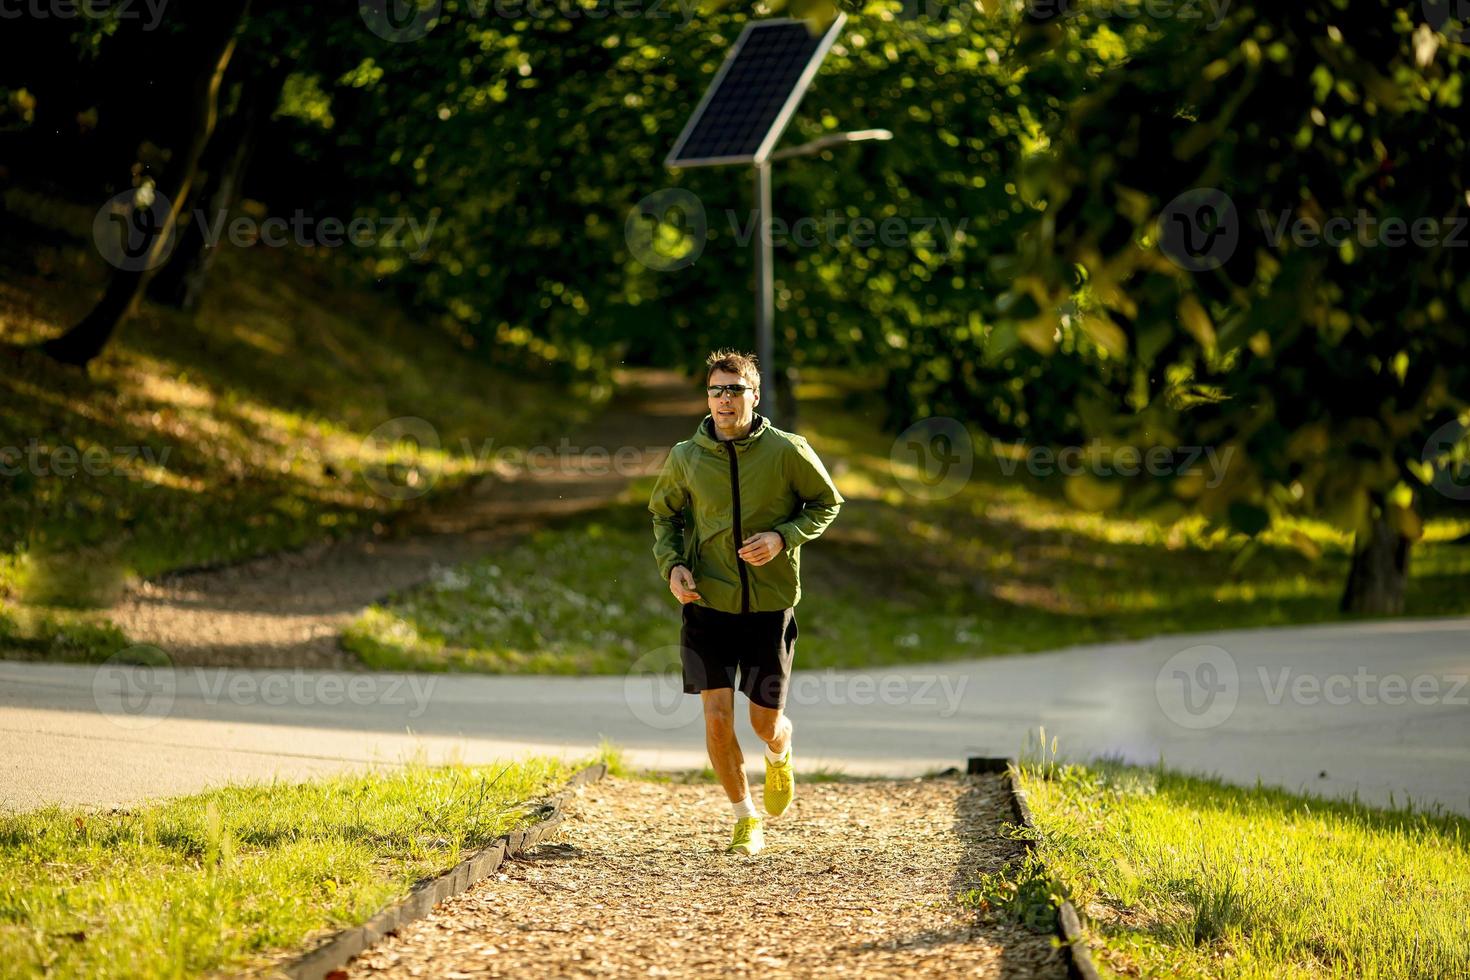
column 732, row 414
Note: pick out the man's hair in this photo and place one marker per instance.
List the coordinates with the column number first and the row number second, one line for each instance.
column 736, row 363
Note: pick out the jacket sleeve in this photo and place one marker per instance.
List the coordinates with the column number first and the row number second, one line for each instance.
column 667, row 503
column 820, row 499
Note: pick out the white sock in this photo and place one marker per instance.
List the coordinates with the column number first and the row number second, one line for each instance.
column 773, row 757
column 745, row 808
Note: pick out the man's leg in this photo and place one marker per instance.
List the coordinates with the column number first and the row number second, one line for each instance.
column 767, row 673
column 724, row 748
column 729, row 766
column 773, row 727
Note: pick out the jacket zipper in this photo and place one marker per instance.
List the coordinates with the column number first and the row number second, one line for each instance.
column 735, row 504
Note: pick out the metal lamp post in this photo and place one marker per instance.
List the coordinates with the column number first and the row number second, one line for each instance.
column 740, row 119
column 765, row 298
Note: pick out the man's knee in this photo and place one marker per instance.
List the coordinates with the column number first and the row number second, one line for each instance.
column 765, row 721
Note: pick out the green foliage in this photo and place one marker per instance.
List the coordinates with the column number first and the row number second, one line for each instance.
column 17, row 108
column 532, row 141
column 1327, row 366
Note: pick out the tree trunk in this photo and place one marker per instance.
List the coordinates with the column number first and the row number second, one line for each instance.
column 180, row 282
column 1379, row 576
column 209, row 46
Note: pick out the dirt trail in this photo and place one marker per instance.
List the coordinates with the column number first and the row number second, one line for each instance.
column 857, row 879
column 287, row 610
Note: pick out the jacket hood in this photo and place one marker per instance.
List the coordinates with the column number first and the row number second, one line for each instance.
column 705, row 435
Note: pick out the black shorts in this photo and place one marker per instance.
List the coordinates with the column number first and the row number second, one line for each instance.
column 759, row 645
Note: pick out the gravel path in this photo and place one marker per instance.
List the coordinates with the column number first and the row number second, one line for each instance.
column 288, row 610
column 857, row 879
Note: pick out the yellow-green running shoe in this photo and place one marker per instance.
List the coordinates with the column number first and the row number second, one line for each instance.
column 780, row 784
column 749, row 838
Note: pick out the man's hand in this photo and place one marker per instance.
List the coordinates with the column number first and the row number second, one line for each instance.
column 761, row 548
column 681, row 583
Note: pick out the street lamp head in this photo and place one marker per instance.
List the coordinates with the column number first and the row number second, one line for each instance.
column 831, row 140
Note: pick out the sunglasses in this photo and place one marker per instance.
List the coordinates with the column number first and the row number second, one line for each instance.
column 736, row 390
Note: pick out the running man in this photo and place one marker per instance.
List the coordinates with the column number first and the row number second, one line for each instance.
column 753, row 496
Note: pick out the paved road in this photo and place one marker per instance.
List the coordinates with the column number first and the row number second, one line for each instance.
column 1378, row 709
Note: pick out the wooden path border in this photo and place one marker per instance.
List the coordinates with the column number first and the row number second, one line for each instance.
column 337, row 949
column 1075, row 948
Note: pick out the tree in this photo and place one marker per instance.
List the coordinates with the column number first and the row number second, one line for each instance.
column 203, row 54
column 223, row 164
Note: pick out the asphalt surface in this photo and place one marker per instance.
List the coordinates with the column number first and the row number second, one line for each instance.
column 1379, row 709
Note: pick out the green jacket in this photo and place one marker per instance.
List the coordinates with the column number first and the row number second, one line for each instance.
column 712, row 495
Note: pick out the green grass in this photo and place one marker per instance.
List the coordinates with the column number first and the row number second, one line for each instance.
column 244, row 429
column 233, row 878
column 1186, row 876
column 1007, row 565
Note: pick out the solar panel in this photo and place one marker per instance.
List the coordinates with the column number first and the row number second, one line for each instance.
column 747, row 106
